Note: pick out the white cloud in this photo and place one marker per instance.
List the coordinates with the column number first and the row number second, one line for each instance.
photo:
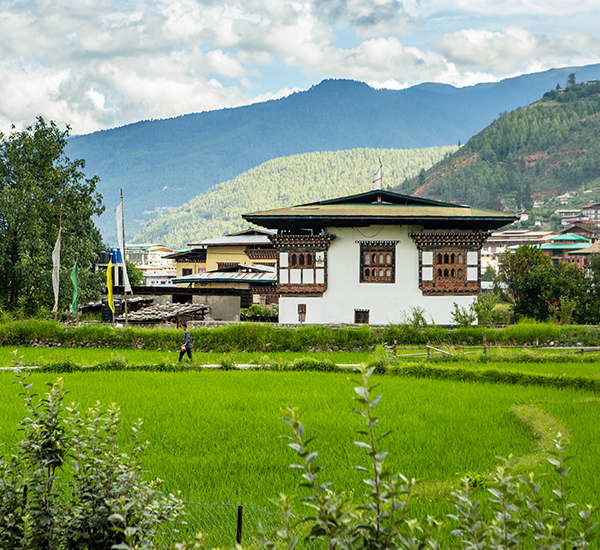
column 515, row 48
column 97, row 64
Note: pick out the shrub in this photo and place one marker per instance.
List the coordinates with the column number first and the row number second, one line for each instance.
column 67, row 477
column 462, row 316
column 520, row 516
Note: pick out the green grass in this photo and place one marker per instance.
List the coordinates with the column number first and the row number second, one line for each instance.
column 90, row 356
column 214, row 434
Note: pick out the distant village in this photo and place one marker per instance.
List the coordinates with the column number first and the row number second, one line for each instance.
column 357, row 259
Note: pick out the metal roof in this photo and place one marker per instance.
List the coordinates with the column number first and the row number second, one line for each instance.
column 234, row 240
column 379, row 208
column 262, row 277
column 569, row 237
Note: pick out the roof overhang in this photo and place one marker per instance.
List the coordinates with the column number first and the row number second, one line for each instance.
column 380, row 208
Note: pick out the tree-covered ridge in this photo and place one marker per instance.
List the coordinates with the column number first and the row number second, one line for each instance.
column 549, row 147
column 166, row 163
column 286, row 181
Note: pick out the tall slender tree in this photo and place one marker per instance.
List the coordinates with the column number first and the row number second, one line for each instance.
column 35, row 177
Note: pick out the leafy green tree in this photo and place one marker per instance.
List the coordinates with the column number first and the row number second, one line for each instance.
column 135, row 274
column 571, row 80
column 535, row 284
column 40, row 189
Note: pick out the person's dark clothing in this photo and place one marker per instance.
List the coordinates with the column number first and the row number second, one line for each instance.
column 187, row 342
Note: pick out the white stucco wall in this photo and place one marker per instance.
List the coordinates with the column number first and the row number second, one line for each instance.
column 386, row 302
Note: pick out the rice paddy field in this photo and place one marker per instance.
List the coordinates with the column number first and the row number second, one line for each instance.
column 214, row 434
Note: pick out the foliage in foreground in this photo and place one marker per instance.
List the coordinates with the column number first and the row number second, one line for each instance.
column 522, row 517
column 67, row 483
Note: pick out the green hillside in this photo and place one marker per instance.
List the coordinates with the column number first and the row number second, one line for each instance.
column 284, row 182
column 546, row 149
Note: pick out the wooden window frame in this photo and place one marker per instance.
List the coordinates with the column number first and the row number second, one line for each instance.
column 378, row 263
column 361, row 316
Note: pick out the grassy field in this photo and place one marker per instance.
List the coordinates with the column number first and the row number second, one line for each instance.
column 90, row 356
column 214, row 434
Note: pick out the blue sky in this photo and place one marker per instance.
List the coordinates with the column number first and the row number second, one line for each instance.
column 97, row 64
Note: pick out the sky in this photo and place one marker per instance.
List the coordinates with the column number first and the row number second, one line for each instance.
column 97, row 64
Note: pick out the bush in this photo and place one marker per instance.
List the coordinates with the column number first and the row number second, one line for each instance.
column 61, row 487
column 520, row 517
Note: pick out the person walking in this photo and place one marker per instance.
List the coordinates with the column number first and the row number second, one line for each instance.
column 186, row 347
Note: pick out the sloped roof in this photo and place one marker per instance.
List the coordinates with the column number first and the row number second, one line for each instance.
column 379, row 207
column 569, row 237
column 248, row 237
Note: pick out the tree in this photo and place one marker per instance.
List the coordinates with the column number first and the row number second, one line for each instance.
column 40, row 188
column 515, row 266
column 135, row 274
column 571, row 80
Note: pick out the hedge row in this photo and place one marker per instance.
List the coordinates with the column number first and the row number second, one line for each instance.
column 413, row 370
column 265, row 337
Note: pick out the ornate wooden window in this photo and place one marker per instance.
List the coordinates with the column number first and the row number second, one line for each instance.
column 302, row 312
column 302, row 265
column 377, row 262
column 449, row 261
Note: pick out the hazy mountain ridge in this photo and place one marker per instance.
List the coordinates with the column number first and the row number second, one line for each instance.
column 168, row 162
column 285, row 181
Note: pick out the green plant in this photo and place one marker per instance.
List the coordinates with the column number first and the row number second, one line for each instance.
column 567, row 307
column 59, row 488
column 462, row 316
column 520, row 516
column 228, row 362
column 415, row 318
column 483, row 307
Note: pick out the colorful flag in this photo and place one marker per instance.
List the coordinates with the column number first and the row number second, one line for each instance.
column 109, row 285
column 377, row 180
column 56, row 271
column 74, row 279
column 121, row 238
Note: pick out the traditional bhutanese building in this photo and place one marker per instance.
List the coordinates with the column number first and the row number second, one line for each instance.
column 369, row 258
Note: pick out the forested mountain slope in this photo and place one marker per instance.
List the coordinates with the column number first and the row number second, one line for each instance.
column 161, row 163
column 547, row 148
column 285, row 181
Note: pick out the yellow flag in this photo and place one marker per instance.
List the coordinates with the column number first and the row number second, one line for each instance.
column 109, row 285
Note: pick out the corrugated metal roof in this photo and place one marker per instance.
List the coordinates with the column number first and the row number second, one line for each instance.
column 574, row 246
column 234, row 240
column 569, row 237
column 222, row 276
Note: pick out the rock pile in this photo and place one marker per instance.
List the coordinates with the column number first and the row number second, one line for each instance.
column 168, row 312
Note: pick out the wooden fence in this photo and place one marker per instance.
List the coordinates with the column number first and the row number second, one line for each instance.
column 391, row 351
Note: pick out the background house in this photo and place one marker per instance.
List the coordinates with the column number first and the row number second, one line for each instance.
column 368, row 258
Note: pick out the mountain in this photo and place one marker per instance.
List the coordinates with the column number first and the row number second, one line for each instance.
column 297, row 179
column 545, row 149
column 165, row 163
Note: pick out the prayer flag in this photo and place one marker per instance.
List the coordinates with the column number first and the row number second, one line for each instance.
column 74, row 279
column 377, row 180
column 56, row 271
column 109, row 285
column 121, row 238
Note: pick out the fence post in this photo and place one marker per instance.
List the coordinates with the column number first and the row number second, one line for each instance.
column 428, row 351
column 395, row 349
column 582, row 350
column 238, row 535
column 484, row 344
